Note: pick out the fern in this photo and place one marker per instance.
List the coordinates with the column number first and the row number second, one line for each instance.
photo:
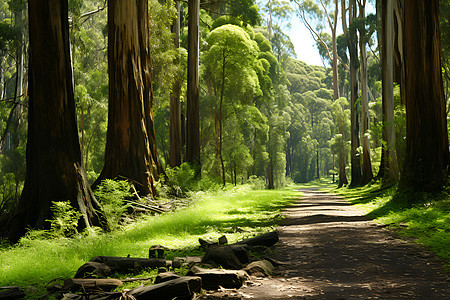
column 65, row 219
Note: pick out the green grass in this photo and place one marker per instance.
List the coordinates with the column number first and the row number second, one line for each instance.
column 324, row 183
column 237, row 213
column 427, row 222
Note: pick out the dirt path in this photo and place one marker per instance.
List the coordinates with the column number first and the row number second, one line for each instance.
column 333, row 252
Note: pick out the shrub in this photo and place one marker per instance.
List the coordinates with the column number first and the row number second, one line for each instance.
column 112, row 195
column 257, row 183
column 182, row 177
column 209, row 183
column 65, row 219
column 9, row 192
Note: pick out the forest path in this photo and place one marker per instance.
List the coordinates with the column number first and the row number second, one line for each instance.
column 332, row 251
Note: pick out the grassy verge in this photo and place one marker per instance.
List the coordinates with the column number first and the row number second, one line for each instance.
column 427, row 222
column 238, row 212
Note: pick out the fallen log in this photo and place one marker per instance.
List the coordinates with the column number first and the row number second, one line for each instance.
column 11, row 292
column 178, row 262
column 180, row 287
column 130, row 264
column 147, row 207
column 213, row 279
column 97, row 296
column 267, row 239
column 166, row 276
column 137, row 279
column 90, row 284
column 93, row 269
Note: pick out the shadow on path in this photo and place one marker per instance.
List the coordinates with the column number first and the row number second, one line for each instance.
column 333, row 251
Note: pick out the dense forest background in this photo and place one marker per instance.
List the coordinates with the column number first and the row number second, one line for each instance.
column 265, row 117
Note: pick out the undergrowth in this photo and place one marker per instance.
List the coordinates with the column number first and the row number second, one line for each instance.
column 426, row 222
column 236, row 212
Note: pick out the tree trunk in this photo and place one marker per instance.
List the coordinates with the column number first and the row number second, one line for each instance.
column 54, row 168
column 317, row 164
column 193, row 125
column 389, row 166
column 399, row 73
column 176, row 147
column 288, row 157
column 342, row 161
column 355, row 157
column 342, row 164
column 2, row 78
column 427, row 153
column 18, row 19
column 335, row 55
column 271, row 184
column 269, row 27
column 235, row 172
column 367, row 173
column 130, row 141
column 222, row 91
column 333, row 169
column 342, row 156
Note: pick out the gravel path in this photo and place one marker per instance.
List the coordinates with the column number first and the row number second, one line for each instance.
column 332, row 251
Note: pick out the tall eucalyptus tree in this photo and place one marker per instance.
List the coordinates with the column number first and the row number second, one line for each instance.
column 355, row 157
column 54, row 170
column 367, row 173
column 130, row 150
column 192, row 113
column 176, row 144
column 427, row 153
column 389, row 169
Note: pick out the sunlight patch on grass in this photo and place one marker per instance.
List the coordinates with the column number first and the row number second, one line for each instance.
column 237, row 212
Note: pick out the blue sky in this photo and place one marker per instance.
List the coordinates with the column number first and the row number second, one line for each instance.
column 305, row 46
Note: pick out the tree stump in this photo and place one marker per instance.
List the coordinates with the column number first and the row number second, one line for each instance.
column 223, row 240
column 157, row 251
column 241, row 252
column 222, row 255
column 260, row 268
